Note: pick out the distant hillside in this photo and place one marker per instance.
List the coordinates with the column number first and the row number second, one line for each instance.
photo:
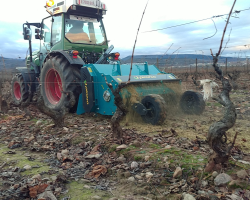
column 166, row 60
column 179, row 60
column 11, row 63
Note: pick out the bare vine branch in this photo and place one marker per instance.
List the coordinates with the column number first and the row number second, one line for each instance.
column 215, row 31
column 225, row 28
column 227, row 40
column 165, row 52
column 135, row 43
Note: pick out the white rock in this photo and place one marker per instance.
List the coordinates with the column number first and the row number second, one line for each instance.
column 53, row 178
column 37, row 176
column 149, row 175
column 47, row 195
column 234, row 197
column 138, row 177
column 96, row 197
column 86, row 186
column 131, row 179
column 36, row 144
column 134, row 165
column 98, row 155
column 222, row 179
column 27, row 167
column 121, row 158
column 39, row 122
column 188, row 197
column 165, row 159
column 242, row 174
column 147, row 158
column 244, row 162
column 215, row 173
column 178, row 172
column 58, row 190
column 168, row 147
column 65, row 129
column 65, row 152
column 204, row 183
column 123, row 146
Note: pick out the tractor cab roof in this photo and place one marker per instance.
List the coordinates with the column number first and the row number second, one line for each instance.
column 88, row 7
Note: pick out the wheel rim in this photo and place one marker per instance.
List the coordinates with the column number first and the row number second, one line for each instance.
column 17, row 91
column 53, row 86
column 190, row 101
column 151, row 110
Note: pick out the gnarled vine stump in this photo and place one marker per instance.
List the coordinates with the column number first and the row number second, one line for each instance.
column 217, row 138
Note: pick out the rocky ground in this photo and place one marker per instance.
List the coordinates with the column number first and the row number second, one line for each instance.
column 82, row 161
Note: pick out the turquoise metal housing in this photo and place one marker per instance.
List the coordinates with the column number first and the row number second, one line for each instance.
column 117, row 74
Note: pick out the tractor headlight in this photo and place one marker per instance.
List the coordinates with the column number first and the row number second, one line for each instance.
column 106, row 95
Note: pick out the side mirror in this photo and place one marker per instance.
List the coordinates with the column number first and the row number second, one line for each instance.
column 27, row 34
column 38, row 35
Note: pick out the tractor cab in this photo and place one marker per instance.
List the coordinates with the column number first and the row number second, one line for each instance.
column 74, row 25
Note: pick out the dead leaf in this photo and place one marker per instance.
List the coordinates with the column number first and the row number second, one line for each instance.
column 97, row 171
column 37, row 190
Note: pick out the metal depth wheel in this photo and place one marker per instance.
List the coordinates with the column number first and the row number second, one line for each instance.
column 58, row 80
column 192, row 103
column 18, row 91
column 156, row 109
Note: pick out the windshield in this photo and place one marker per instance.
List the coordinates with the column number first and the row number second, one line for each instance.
column 84, row 30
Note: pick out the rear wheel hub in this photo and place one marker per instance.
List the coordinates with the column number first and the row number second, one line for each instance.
column 53, row 86
column 17, row 91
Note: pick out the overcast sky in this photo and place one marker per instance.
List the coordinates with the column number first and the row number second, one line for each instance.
column 122, row 20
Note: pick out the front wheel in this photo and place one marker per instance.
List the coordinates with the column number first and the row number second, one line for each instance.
column 18, row 91
column 59, row 80
column 156, row 109
column 192, row 103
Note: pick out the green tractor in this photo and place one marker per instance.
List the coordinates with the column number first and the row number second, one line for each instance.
column 74, row 60
column 73, row 35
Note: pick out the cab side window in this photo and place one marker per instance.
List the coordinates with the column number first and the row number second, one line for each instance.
column 56, row 29
column 46, row 32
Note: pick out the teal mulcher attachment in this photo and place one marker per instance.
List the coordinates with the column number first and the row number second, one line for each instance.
column 149, row 93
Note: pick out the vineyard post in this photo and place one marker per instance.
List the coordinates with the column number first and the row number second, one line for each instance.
column 226, row 65
column 1, row 80
column 166, row 68
column 247, row 65
column 196, row 66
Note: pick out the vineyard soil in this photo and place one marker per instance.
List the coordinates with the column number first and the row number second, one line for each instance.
column 82, row 160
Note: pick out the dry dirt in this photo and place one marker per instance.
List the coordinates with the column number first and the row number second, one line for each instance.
column 81, row 161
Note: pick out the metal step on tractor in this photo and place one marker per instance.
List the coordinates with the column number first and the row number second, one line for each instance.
column 74, row 59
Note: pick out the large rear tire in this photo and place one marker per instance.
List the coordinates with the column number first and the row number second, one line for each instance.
column 192, row 103
column 18, row 92
column 60, row 80
column 156, row 109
